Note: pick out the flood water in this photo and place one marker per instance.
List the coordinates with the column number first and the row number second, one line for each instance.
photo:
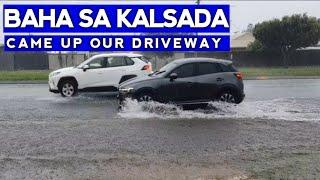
column 45, row 136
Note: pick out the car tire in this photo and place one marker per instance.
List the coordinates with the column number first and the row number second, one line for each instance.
column 229, row 96
column 68, row 88
column 145, row 97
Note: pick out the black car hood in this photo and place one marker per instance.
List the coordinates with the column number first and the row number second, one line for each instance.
column 138, row 80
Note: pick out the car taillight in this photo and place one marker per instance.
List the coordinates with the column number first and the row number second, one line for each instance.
column 147, row 67
column 239, row 75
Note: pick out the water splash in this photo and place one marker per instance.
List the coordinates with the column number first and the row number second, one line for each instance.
column 293, row 109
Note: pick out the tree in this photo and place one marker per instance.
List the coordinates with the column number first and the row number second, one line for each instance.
column 256, row 46
column 288, row 34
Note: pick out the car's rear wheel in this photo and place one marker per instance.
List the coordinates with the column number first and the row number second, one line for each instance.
column 145, row 97
column 229, row 97
column 68, row 88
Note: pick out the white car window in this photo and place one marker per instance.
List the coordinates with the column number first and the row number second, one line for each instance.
column 116, row 61
column 98, row 63
column 129, row 61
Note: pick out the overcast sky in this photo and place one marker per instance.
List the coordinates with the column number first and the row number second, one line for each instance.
column 242, row 12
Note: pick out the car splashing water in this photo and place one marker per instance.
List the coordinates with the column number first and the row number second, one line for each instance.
column 293, row 109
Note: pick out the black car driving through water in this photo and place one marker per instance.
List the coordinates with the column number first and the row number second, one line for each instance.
column 188, row 81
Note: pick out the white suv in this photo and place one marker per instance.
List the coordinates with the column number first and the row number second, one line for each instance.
column 103, row 72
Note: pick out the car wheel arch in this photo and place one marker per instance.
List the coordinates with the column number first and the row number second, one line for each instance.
column 228, row 87
column 146, row 90
column 67, row 78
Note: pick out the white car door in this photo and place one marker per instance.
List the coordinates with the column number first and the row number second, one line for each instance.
column 116, row 67
column 93, row 76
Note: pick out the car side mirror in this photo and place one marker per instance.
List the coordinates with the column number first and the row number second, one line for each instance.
column 85, row 67
column 173, row 76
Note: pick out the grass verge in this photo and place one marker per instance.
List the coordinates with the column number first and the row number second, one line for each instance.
column 249, row 72
column 24, row 75
column 278, row 71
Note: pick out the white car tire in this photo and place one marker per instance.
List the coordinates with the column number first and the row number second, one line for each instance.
column 68, row 88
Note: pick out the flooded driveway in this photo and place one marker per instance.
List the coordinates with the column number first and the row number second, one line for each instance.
column 273, row 133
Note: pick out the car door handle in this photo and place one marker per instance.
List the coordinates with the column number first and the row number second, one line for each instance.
column 219, row 79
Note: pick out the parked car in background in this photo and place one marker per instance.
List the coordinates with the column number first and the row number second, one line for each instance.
column 103, row 72
column 188, row 81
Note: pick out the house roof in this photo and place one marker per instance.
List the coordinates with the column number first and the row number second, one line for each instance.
column 242, row 40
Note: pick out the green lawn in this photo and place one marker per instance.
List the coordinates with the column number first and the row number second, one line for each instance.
column 278, row 71
column 248, row 72
column 24, row 75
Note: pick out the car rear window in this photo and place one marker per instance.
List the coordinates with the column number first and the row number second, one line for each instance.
column 228, row 68
column 208, row 68
column 129, row 61
column 141, row 58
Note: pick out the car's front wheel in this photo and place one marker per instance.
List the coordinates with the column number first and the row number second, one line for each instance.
column 68, row 88
column 145, row 97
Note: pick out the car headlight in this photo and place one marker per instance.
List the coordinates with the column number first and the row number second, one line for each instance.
column 126, row 90
column 54, row 74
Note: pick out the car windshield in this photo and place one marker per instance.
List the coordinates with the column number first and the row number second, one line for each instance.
column 165, row 68
column 85, row 62
column 156, row 73
column 168, row 67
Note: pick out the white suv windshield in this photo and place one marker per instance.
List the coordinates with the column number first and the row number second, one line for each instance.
column 86, row 61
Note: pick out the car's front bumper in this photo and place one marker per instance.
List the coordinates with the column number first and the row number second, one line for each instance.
column 123, row 96
column 54, row 90
column 53, row 85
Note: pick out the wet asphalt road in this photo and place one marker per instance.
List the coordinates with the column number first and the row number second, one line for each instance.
column 273, row 134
